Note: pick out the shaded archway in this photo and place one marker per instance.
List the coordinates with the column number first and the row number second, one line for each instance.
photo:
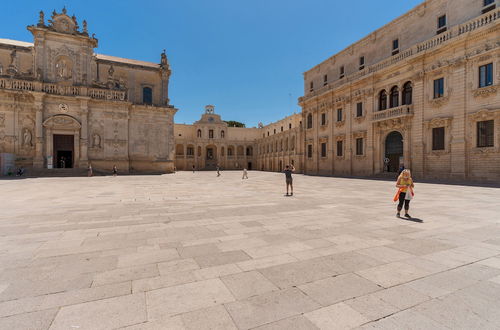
column 393, row 151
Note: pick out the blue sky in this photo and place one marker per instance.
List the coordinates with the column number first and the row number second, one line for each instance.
column 245, row 57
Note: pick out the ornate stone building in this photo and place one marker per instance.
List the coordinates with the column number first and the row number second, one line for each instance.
column 63, row 105
column 421, row 91
column 210, row 142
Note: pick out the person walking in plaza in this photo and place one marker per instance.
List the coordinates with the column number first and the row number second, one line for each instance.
column 115, row 170
column 89, row 170
column 245, row 174
column 193, row 168
column 218, row 170
column 289, row 169
column 405, row 192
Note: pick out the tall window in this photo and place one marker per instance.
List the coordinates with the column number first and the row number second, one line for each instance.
column 222, row 134
column 342, row 72
column 211, row 134
column 485, row 133
column 382, row 100
column 323, row 149
column 361, row 62
column 407, row 93
column 359, row 109
column 438, row 138
column 488, row 5
column 147, row 95
column 395, row 46
column 198, row 134
column 311, row 86
column 340, row 148
column 190, row 151
column 309, row 121
column 339, row 114
column 486, row 75
column 325, row 80
column 438, row 88
column 282, row 128
column 309, row 151
column 359, row 146
column 441, row 24
column 289, row 126
column 394, row 100
column 323, row 119
column 275, row 131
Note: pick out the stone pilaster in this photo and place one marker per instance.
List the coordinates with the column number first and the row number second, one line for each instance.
column 38, row 160
column 84, row 136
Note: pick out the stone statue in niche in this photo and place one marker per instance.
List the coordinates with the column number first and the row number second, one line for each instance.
column 27, row 138
column 63, row 69
column 12, row 70
column 96, row 141
column 111, row 72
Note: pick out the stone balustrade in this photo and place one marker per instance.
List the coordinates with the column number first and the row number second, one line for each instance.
column 453, row 32
column 55, row 89
column 402, row 111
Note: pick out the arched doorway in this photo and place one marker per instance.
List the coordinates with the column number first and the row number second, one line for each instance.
column 393, row 151
column 211, row 157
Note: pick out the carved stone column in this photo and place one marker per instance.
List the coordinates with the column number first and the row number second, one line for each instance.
column 38, row 160
column 83, row 143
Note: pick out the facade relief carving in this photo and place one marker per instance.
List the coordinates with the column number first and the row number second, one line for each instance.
column 485, row 91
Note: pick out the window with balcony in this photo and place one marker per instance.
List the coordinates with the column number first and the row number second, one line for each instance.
column 488, row 5
column 382, row 100
column 325, row 80
column 359, row 146
column 407, row 93
column 340, row 148
column 339, row 115
column 438, row 88
column 485, row 134
column 441, row 24
column 147, row 95
column 323, row 149
column 394, row 100
column 311, row 86
column 395, row 46
column 342, row 72
column 438, row 138
column 486, row 75
column 361, row 62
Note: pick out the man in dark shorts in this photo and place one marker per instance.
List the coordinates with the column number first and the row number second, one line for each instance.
column 289, row 169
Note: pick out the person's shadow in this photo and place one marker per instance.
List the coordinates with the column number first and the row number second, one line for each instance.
column 412, row 219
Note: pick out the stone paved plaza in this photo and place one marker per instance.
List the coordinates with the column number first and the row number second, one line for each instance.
column 193, row 251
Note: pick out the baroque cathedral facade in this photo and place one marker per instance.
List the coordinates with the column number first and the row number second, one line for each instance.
column 63, row 105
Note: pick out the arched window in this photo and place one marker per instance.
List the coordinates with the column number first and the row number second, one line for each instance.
column 222, row 134
column 147, row 95
column 198, row 134
column 382, row 100
column 230, row 151
column 407, row 91
column 309, row 121
column 394, row 97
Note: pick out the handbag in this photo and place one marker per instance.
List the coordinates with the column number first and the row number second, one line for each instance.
column 396, row 197
column 409, row 194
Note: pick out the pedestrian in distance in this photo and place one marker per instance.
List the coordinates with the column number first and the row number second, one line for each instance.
column 245, row 174
column 405, row 192
column 289, row 169
column 193, row 168
column 218, row 170
column 115, row 170
column 89, row 170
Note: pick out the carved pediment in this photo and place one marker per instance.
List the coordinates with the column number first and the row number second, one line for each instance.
column 62, row 122
column 439, row 122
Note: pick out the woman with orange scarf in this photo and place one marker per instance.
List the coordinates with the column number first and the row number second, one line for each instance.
column 405, row 192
